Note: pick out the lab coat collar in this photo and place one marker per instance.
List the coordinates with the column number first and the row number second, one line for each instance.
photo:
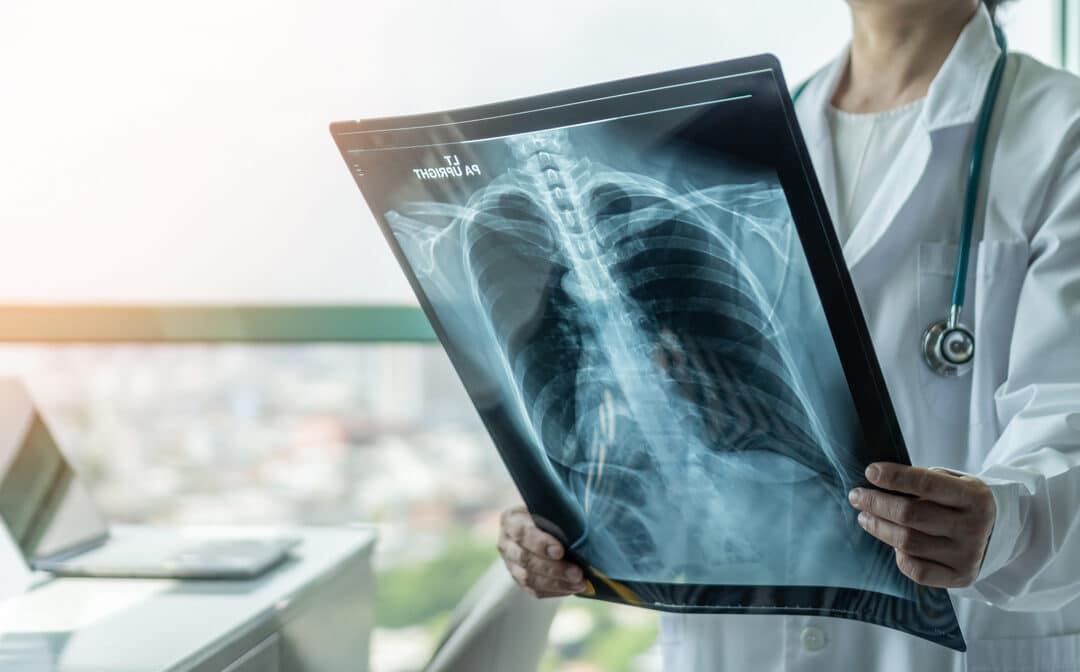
column 954, row 98
column 956, row 94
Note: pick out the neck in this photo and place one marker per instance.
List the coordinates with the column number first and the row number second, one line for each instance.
column 897, row 50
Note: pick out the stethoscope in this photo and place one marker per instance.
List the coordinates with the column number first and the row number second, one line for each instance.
column 948, row 345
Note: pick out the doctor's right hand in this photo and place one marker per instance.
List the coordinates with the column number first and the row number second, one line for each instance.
column 535, row 558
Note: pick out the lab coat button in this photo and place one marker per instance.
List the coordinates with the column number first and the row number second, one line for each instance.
column 1073, row 421
column 813, row 639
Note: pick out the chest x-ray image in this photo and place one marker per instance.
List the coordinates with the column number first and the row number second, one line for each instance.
column 642, row 295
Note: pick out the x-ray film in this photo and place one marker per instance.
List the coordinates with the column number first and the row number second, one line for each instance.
column 640, row 288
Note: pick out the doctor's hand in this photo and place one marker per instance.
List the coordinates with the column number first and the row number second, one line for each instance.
column 535, row 558
column 939, row 532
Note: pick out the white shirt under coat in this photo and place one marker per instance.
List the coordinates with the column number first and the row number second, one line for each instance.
column 864, row 149
column 1014, row 421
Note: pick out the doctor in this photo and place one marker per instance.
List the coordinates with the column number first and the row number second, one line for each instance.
column 890, row 125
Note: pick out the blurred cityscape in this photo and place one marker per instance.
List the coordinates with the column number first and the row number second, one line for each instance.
column 313, row 434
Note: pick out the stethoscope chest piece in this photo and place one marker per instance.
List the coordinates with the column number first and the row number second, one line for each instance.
column 949, row 348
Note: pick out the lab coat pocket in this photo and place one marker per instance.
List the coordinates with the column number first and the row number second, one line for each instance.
column 1000, row 275
column 993, row 285
column 945, row 399
column 1035, row 654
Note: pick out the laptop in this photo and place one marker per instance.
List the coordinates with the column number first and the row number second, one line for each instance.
column 54, row 523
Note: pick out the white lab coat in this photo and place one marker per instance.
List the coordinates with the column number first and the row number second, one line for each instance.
column 1015, row 421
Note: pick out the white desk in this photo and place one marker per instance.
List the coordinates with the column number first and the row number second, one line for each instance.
column 312, row 614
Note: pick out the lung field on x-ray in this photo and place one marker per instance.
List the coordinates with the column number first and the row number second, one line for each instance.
column 653, row 330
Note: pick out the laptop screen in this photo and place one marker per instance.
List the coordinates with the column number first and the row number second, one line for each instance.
column 44, row 506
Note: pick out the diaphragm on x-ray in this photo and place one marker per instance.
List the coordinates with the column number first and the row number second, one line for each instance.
column 640, row 290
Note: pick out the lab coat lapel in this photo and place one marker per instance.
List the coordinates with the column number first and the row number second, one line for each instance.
column 954, row 99
column 910, row 165
column 897, row 188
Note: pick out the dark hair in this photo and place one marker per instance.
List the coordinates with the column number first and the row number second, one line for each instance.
column 993, row 5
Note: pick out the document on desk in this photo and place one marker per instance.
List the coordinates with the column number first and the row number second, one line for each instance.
column 640, row 288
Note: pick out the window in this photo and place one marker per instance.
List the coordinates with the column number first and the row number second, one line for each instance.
column 180, row 154
column 1031, row 28
column 1068, row 22
column 311, row 434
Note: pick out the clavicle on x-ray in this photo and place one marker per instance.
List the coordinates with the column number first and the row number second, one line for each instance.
column 621, row 281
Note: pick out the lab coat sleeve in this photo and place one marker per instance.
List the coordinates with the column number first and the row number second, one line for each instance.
column 1032, row 562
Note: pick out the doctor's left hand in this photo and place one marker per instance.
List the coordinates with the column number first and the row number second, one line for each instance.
column 939, row 532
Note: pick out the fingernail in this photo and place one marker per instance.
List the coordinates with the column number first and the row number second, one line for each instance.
column 863, row 518
column 872, row 472
column 854, row 495
column 574, row 574
column 554, row 552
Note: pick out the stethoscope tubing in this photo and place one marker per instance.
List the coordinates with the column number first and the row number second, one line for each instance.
column 945, row 333
column 974, row 181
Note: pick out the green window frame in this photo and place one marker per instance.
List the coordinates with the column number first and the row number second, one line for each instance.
column 215, row 324
column 1068, row 19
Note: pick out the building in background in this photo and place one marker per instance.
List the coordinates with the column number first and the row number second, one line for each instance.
column 320, row 434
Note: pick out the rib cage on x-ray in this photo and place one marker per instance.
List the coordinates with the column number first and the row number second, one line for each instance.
column 638, row 334
column 639, row 286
